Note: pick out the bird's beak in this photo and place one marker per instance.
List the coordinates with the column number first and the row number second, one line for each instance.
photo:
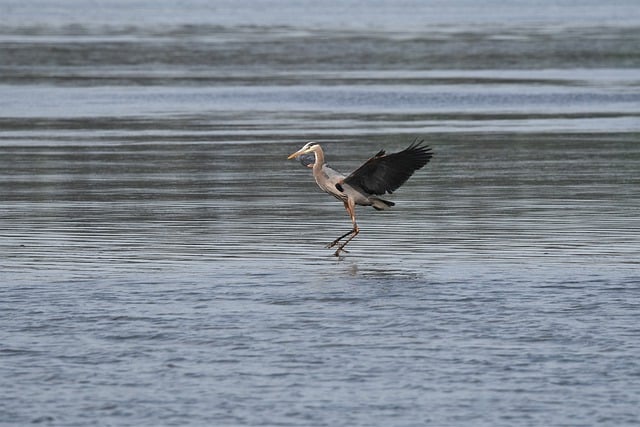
column 296, row 154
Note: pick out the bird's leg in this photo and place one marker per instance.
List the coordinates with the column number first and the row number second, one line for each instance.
column 335, row 242
column 350, row 207
column 354, row 233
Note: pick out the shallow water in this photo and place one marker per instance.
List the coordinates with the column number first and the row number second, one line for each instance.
column 164, row 264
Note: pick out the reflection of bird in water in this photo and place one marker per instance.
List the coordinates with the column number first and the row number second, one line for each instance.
column 383, row 173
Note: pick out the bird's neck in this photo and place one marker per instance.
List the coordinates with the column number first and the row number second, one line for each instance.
column 319, row 159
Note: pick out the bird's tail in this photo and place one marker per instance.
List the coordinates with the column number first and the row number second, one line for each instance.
column 380, row 204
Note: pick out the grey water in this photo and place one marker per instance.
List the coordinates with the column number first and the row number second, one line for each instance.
column 162, row 263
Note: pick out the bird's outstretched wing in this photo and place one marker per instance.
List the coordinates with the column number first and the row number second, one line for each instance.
column 385, row 173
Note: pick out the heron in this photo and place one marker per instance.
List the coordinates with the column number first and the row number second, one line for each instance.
column 381, row 174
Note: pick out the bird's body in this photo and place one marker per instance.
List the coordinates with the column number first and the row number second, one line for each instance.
column 379, row 175
column 333, row 182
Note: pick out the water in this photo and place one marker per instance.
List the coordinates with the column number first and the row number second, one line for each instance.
column 164, row 264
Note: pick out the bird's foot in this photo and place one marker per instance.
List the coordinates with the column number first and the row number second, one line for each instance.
column 337, row 253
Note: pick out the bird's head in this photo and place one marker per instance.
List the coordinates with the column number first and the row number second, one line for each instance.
column 309, row 147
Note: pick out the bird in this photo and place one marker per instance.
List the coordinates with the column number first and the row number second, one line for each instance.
column 381, row 174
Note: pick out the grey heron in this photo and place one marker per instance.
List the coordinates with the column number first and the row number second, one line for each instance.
column 381, row 174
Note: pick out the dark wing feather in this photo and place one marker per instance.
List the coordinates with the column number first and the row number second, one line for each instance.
column 386, row 173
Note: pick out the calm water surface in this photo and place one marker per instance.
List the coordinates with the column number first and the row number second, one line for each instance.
column 164, row 264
